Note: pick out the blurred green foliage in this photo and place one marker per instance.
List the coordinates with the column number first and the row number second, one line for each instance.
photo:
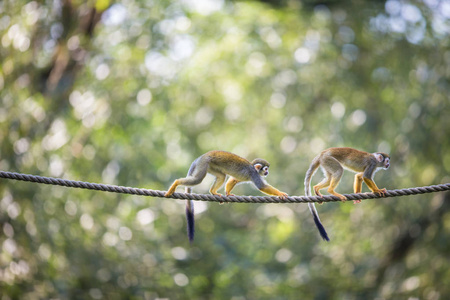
column 130, row 92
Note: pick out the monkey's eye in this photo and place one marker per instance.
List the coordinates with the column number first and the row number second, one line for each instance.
column 265, row 169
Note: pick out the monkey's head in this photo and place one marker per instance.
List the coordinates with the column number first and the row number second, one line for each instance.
column 262, row 166
column 383, row 160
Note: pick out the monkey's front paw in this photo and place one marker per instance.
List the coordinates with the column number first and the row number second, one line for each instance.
column 283, row 195
column 168, row 194
column 356, row 201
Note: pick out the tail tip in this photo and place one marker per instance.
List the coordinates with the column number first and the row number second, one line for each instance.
column 322, row 230
column 191, row 238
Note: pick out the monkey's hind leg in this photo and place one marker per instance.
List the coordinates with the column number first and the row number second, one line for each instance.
column 334, row 168
column 333, row 184
column 323, row 184
column 195, row 179
column 172, row 188
column 357, row 186
column 218, row 182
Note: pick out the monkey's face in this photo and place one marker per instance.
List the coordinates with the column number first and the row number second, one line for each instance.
column 383, row 160
column 262, row 170
column 386, row 163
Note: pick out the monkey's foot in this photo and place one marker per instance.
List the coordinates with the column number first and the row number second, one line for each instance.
column 356, row 201
column 381, row 192
column 217, row 194
column 168, row 194
column 341, row 197
column 320, row 195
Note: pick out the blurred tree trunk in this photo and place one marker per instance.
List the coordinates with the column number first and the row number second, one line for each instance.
column 78, row 24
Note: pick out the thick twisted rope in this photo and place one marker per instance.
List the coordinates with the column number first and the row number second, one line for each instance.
column 214, row 198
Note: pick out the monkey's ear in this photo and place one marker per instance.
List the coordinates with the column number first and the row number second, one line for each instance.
column 378, row 157
column 258, row 167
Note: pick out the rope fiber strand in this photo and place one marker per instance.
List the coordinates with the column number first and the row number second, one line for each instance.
column 214, row 198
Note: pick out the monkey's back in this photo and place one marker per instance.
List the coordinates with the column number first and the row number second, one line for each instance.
column 224, row 157
column 351, row 159
column 228, row 163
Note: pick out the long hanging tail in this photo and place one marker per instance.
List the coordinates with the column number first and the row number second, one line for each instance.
column 319, row 225
column 309, row 174
column 190, row 208
column 190, row 219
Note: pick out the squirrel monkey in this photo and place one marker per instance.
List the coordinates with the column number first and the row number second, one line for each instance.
column 220, row 164
column 332, row 162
